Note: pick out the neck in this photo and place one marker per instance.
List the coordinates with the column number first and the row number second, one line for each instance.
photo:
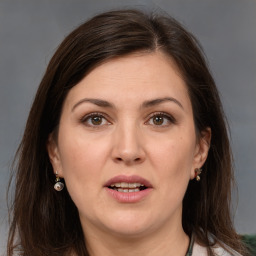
column 164, row 242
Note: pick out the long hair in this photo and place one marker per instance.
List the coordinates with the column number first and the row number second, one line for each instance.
column 44, row 222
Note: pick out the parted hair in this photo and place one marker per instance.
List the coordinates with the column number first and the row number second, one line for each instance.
column 45, row 222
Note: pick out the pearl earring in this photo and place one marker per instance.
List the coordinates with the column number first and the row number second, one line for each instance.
column 58, row 184
column 197, row 173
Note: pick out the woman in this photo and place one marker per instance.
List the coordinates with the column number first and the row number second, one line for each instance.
column 126, row 150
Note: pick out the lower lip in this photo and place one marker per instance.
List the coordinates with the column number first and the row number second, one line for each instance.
column 129, row 197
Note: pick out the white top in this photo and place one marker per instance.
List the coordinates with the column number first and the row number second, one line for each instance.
column 199, row 250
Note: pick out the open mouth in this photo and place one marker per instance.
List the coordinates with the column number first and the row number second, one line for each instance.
column 127, row 187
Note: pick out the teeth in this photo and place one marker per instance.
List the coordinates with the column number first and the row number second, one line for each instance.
column 128, row 190
column 126, row 185
column 118, row 185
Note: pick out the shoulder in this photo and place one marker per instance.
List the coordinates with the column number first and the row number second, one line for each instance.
column 199, row 250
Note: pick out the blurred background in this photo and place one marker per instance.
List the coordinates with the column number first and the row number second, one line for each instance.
column 31, row 30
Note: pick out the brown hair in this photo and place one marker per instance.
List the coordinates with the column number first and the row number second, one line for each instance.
column 47, row 223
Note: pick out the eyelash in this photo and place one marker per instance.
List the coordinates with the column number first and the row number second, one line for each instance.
column 163, row 115
column 86, row 118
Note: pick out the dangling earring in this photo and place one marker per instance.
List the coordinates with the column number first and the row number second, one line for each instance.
column 197, row 173
column 58, row 185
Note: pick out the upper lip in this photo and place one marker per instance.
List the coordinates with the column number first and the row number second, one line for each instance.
column 128, row 179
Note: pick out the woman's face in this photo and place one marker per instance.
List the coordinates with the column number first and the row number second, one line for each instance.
column 127, row 146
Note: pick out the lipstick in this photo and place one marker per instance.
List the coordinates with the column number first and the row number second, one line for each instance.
column 128, row 189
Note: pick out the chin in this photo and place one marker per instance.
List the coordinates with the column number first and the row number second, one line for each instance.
column 129, row 232
column 129, row 225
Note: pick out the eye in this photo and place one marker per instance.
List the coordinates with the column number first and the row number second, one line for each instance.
column 95, row 119
column 161, row 119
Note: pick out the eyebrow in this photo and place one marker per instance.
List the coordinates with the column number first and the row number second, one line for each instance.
column 146, row 104
column 151, row 103
column 98, row 102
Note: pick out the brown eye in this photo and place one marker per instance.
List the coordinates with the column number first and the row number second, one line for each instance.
column 158, row 120
column 161, row 120
column 96, row 120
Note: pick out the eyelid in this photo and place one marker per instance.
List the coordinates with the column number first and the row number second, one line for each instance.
column 84, row 118
column 164, row 114
column 105, row 116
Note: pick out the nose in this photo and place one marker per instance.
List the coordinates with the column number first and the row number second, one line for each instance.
column 128, row 147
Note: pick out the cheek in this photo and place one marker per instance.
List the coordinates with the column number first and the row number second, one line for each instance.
column 82, row 158
column 174, row 162
column 174, row 156
column 82, row 163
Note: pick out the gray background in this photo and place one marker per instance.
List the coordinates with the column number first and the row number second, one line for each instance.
column 30, row 31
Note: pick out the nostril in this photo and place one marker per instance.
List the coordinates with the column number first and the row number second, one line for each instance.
column 120, row 159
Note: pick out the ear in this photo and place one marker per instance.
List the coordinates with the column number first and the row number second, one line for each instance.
column 202, row 149
column 54, row 155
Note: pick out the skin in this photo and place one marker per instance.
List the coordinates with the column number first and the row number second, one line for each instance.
column 130, row 139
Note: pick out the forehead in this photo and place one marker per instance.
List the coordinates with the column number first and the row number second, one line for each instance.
column 137, row 76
